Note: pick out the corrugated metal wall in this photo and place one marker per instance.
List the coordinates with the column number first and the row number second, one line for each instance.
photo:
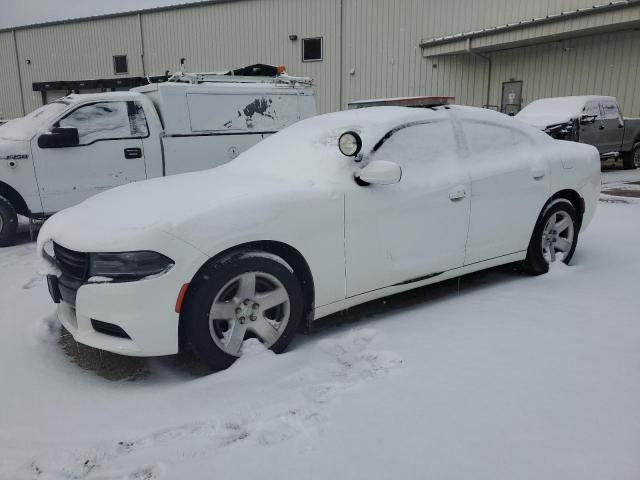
column 10, row 101
column 76, row 51
column 599, row 65
column 371, row 49
column 235, row 34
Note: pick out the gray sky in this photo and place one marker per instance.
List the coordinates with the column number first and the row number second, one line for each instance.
column 14, row 13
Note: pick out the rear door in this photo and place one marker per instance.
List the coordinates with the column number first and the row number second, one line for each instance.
column 110, row 153
column 509, row 186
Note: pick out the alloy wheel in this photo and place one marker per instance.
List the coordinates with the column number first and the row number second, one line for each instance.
column 557, row 237
column 253, row 304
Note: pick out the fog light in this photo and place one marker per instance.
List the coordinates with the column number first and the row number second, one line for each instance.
column 350, row 144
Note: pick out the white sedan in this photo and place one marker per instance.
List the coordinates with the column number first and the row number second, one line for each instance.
column 332, row 212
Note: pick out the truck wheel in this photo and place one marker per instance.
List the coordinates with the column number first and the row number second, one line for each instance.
column 8, row 223
column 249, row 294
column 631, row 159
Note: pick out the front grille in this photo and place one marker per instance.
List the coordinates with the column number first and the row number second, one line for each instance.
column 72, row 264
column 108, row 329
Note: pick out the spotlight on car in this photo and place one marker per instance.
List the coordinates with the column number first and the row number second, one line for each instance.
column 350, row 144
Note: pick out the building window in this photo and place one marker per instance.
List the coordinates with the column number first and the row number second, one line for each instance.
column 312, row 49
column 120, row 66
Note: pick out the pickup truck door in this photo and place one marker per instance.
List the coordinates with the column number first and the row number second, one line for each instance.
column 110, row 153
column 593, row 133
column 613, row 126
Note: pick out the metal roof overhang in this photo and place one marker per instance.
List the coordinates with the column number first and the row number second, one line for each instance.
column 613, row 16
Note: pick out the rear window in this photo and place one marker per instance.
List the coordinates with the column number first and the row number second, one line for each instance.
column 241, row 112
column 489, row 137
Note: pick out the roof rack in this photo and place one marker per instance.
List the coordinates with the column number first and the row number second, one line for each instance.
column 423, row 102
column 258, row 73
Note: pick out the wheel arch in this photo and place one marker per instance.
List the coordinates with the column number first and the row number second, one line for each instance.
column 12, row 195
column 574, row 197
column 288, row 253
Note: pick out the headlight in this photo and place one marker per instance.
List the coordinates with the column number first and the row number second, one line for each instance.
column 128, row 265
column 350, row 144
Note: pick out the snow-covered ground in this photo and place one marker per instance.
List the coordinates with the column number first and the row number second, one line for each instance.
column 499, row 376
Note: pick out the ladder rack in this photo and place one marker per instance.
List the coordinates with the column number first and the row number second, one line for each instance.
column 225, row 77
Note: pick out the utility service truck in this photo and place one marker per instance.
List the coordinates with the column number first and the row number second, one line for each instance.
column 80, row 145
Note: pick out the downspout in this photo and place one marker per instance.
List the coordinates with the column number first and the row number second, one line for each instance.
column 489, row 64
column 15, row 46
column 144, row 69
column 341, row 67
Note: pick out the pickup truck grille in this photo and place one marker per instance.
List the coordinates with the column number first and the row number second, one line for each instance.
column 73, row 264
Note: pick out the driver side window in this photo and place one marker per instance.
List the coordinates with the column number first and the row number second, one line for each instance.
column 419, row 146
column 592, row 108
column 107, row 121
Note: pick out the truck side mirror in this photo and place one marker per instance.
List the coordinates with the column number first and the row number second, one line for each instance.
column 59, row 137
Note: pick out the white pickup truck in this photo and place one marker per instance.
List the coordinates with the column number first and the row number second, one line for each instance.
column 80, row 145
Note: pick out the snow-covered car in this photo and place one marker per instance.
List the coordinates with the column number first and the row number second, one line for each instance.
column 334, row 211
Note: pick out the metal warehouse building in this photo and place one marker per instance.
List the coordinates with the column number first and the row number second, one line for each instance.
column 496, row 53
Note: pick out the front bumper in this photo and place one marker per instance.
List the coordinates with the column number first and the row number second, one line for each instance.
column 144, row 309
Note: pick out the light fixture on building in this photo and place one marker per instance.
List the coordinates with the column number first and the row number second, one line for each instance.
column 293, row 37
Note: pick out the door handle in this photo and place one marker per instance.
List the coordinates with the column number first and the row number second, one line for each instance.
column 458, row 193
column 130, row 153
column 538, row 174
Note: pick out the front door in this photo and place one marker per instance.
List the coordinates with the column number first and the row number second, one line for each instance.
column 592, row 132
column 110, row 153
column 613, row 126
column 417, row 228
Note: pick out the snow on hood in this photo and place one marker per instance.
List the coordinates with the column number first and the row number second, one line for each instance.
column 552, row 111
column 25, row 128
column 150, row 206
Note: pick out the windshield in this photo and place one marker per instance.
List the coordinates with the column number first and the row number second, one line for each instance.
column 563, row 106
column 45, row 113
column 25, row 128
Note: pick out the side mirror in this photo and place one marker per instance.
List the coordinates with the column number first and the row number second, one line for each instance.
column 380, row 172
column 587, row 119
column 59, row 137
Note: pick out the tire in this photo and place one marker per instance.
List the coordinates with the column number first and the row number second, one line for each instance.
column 216, row 334
column 8, row 223
column 559, row 235
column 631, row 159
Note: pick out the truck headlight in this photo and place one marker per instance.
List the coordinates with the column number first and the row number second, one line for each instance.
column 128, row 265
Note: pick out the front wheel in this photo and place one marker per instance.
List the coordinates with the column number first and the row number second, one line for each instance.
column 631, row 159
column 554, row 237
column 245, row 295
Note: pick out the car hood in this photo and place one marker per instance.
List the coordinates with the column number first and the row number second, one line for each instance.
column 543, row 121
column 118, row 218
column 19, row 129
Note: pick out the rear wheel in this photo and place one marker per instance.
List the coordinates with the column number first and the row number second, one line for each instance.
column 8, row 223
column 554, row 237
column 631, row 159
column 246, row 295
